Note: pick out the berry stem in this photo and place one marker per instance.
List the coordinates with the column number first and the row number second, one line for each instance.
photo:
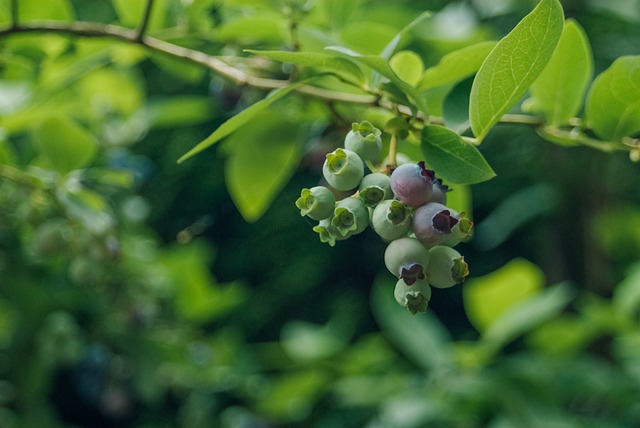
column 393, row 152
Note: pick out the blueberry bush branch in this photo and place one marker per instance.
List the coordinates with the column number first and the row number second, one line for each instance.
column 142, row 28
column 243, row 78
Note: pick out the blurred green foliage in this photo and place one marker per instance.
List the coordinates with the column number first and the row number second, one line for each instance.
column 133, row 292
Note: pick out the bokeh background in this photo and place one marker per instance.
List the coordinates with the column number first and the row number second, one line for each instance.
column 135, row 293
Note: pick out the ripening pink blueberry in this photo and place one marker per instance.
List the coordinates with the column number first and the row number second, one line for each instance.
column 412, row 184
column 432, row 223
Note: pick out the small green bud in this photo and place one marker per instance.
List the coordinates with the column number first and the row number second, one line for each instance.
column 413, row 297
column 407, row 259
column 365, row 140
column 391, row 219
column 343, row 169
column 350, row 216
column 328, row 233
column 316, row 203
column 375, row 188
column 446, row 267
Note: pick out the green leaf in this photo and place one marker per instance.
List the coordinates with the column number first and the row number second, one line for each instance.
column 488, row 297
column 513, row 212
column 527, row 315
column 455, row 108
column 456, row 65
column 613, row 103
column 60, row 10
column 64, row 145
column 322, row 61
column 305, row 342
column 7, row 156
column 198, row 296
column 261, row 159
column 110, row 177
column 130, row 13
column 408, row 66
column 559, row 90
column 88, row 207
column 453, row 158
column 240, row 119
column 179, row 111
column 266, row 28
column 422, row 338
column 513, row 65
column 626, row 296
column 380, row 65
column 391, row 47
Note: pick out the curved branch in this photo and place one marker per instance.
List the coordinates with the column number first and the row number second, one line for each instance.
column 94, row 29
column 239, row 77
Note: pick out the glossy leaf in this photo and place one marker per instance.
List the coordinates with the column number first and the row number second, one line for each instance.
column 455, row 107
column 380, row 65
column 261, row 159
column 64, row 145
column 240, row 119
column 559, row 91
column 318, row 60
column 456, row 65
column 513, row 65
column 408, row 66
column 613, row 103
column 454, row 159
column 488, row 297
column 527, row 315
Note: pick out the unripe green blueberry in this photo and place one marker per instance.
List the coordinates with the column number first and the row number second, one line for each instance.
column 391, row 219
column 413, row 297
column 343, row 169
column 432, row 223
column 328, row 233
column 375, row 188
column 461, row 232
column 350, row 216
column 364, row 139
column 446, row 267
column 407, row 259
column 412, row 184
column 316, row 203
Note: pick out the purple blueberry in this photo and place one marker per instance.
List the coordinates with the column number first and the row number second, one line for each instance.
column 432, row 223
column 412, row 184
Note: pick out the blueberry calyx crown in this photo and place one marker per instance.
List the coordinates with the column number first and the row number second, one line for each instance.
column 427, row 173
column 411, row 273
column 444, row 221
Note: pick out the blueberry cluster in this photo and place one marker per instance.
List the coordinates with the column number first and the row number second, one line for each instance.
column 406, row 208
